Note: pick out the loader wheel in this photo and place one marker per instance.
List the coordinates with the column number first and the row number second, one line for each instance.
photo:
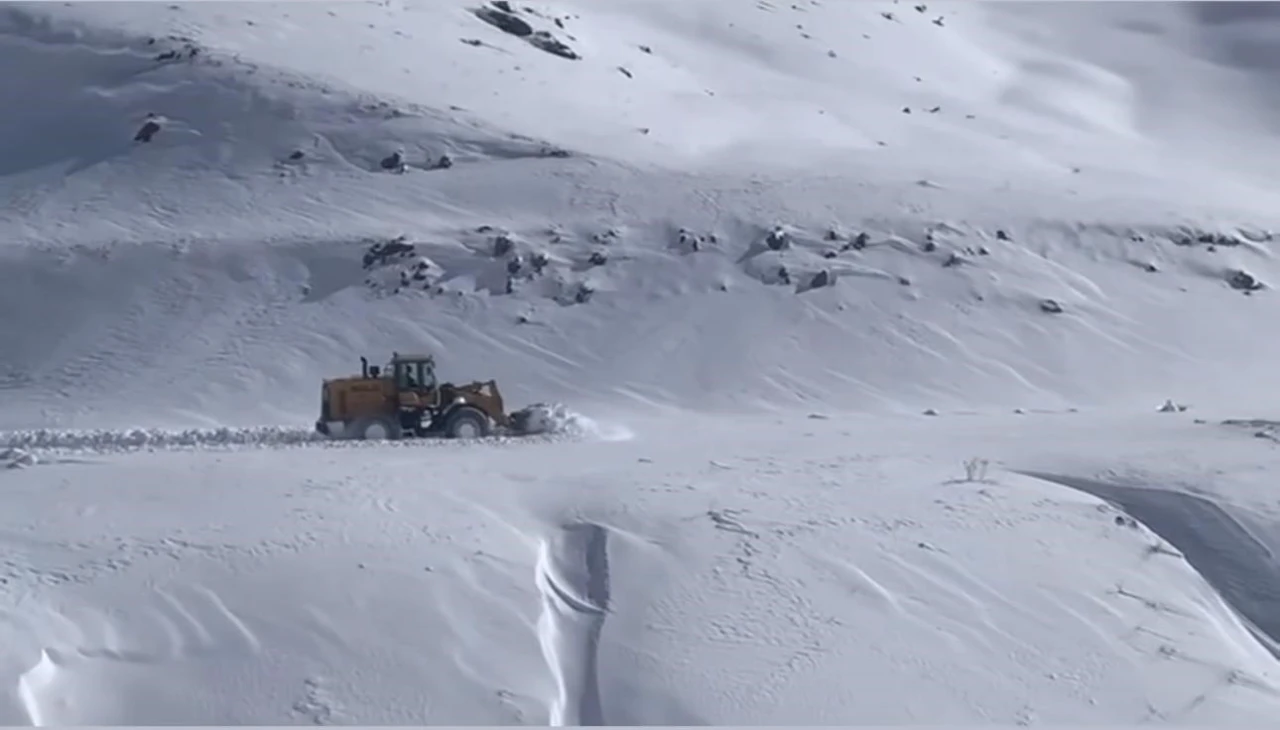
column 375, row 429
column 467, row 423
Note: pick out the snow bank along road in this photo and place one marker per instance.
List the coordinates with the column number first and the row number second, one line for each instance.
column 561, row 423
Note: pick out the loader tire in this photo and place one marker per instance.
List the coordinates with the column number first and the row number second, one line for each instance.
column 375, row 429
column 467, row 423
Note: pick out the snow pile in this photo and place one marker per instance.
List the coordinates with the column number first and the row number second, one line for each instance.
column 141, row 438
column 12, row 458
column 552, row 421
column 557, row 418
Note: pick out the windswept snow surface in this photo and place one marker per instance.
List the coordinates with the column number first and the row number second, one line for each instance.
column 698, row 226
column 766, row 571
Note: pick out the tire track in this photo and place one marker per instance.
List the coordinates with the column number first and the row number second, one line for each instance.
column 572, row 577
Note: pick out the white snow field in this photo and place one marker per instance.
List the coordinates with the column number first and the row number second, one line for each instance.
column 746, row 247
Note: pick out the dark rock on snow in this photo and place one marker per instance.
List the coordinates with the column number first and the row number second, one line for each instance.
column 502, row 245
column 393, row 161
column 381, row 251
column 148, row 129
column 1244, row 281
column 505, row 20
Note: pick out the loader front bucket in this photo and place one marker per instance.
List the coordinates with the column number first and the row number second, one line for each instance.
column 531, row 420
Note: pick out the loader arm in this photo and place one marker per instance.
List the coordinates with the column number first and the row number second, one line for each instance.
column 486, row 395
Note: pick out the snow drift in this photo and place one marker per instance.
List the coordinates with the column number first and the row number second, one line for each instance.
column 716, row 575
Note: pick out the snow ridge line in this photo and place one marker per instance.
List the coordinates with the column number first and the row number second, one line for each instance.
column 31, row 685
column 572, row 577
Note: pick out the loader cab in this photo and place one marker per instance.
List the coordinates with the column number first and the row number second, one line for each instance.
column 416, row 374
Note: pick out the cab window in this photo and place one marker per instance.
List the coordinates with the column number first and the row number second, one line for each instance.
column 426, row 375
column 415, row 376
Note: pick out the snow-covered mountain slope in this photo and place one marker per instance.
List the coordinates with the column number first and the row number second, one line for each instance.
column 1058, row 151
column 656, row 212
